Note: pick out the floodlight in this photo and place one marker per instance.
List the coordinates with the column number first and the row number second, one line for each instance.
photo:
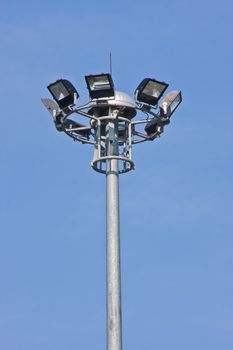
column 100, row 85
column 154, row 125
column 150, row 90
column 63, row 92
column 169, row 103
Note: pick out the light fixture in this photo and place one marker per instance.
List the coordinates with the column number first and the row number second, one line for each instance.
column 153, row 126
column 100, row 85
column 150, row 90
column 63, row 92
column 169, row 103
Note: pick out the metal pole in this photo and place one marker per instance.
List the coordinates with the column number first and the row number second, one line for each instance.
column 114, row 337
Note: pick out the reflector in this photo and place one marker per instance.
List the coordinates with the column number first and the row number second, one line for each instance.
column 150, row 90
column 169, row 103
column 51, row 106
column 63, row 92
column 100, row 85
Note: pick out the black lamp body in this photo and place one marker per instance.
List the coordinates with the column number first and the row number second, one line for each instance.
column 150, row 90
column 100, row 86
column 153, row 125
column 63, row 92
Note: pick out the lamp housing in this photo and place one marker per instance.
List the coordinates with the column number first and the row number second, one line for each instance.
column 100, row 86
column 153, row 126
column 150, row 90
column 63, row 92
column 169, row 103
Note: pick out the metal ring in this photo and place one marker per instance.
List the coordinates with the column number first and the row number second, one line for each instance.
column 114, row 118
column 95, row 162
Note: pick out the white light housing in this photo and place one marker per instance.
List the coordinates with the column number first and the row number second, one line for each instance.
column 51, row 106
column 169, row 103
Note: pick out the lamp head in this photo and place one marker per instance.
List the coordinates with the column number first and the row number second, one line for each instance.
column 150, row 90
column 169, row 103
column 63, row 92
column 100, row 86
column 153, row 126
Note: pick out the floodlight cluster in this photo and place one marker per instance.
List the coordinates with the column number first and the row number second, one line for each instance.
column 102, row 94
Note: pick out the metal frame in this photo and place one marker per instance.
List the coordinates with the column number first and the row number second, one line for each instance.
column 124, row 158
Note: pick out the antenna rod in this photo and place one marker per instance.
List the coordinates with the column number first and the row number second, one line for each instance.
column 110, row 61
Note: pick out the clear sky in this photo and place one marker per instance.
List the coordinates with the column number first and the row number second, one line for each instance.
column 176, row 208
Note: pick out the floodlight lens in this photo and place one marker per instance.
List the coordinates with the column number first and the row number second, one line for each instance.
column 169, row 103
column 64, row 93
column 100, row 85
column 153, row 89
column 150, row 90
column 175, row 103
column 59, row 91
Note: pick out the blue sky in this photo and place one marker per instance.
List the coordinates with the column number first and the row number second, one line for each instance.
column 176, row 208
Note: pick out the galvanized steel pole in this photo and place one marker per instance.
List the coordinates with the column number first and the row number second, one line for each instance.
column 114, row 337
